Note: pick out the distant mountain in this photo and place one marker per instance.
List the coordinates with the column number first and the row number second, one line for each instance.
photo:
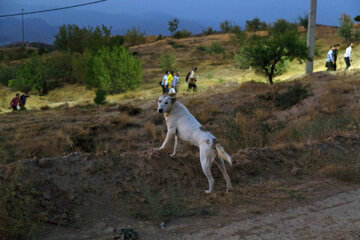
column 35, row 30
column 43, row 28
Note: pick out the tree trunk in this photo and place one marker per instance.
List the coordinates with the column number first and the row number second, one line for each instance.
column 270, row 76
column 311, row 36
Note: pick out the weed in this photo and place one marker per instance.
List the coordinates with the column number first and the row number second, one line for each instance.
column 221, row 80
column 17, row 217
column 150, row 129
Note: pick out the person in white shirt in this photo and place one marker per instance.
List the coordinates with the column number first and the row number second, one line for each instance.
column 164, row 83
column 347, row 56
column 192, row 80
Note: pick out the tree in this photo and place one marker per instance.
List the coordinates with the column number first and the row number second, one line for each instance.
column 134, row 37
column 173, row 25
column 255, row 25
column 304, row 21
column 166, row 61
column 357, row 18
column 226, row 26
column 268, row 53
column 116, row 70
column 31, row 76
column 346, row 24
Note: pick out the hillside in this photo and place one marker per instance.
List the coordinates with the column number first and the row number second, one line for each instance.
column 213, row 69
column 72, row 170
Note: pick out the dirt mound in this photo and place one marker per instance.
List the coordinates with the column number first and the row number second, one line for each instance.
column 67, row 187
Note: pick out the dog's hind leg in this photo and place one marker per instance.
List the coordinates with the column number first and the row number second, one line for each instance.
column 206, row 161
column 221, row 165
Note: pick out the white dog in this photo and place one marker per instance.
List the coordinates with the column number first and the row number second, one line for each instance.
column 181, row 124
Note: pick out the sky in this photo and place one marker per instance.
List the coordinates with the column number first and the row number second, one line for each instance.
column 203, row 11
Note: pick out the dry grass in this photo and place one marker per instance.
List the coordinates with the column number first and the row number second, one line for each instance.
column 150, row 130
column 122, row 120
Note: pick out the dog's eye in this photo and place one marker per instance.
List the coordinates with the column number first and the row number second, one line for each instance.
column 159, row 101
column 166, row 102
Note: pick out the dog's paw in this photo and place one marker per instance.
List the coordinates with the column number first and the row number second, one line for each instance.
column 172, row 155
column 156, row 149
column 229, row 189
column 208, row 191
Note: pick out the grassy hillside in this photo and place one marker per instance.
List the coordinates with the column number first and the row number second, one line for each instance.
column 214, row 70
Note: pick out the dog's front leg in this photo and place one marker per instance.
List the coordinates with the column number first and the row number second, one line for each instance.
column 176, row 146
column 169, row 135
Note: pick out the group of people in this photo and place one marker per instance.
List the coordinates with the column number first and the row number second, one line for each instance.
column 18, row 102
column 170, row 81
column 331, row 58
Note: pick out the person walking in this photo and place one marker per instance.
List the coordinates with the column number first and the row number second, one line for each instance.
column 192, row 80
column 175, row 82
column 347, row 56
column 335, row 53
column 16, row 102
column 170, row 78
column 330, row 60
column 23, row 98
column 164, row 83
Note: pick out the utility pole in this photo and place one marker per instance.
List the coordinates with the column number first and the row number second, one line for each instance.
column 22, row 20
column 311, row 36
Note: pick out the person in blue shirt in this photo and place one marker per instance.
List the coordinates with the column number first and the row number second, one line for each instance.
column 330, row 59
column 175, row 82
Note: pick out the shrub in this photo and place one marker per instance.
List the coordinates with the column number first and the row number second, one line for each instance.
column 255, row 25
column 17, row 210
column 134, row 37
column 201, row 48
column 100, row 97
column 241, row 60
column 166, row 61
column 182, row 34
column 116, row 70
column 215, row 48
column 208, row 31
column 292, row 96
column 346, row 24
column 31, row 76
column 6, row 74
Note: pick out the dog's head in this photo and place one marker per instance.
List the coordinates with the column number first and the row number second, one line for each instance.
column 165, row 103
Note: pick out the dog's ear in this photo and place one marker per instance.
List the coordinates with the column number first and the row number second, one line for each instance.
column 173, row 99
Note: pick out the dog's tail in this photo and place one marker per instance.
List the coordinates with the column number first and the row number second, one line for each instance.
column 222, row 154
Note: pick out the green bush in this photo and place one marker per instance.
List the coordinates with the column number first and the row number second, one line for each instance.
column 208, row 31
column 134, row 37
column 166, row 61
column 182, row 34
column 346, row 24
column 116, row 70
column 79, row 64
column 201, row 48
column 292, row 96
column 100, row 97
column 6, row 74
column 215, row 48
column 241, row 61
column 31, row 76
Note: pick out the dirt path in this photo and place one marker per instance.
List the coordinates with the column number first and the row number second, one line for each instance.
column 333, row 217
column 336, row 217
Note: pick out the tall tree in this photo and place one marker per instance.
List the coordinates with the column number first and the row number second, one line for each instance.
column 311, row 36
column 173, row 25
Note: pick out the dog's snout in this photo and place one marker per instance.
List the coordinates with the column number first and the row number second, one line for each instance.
column 160, row 110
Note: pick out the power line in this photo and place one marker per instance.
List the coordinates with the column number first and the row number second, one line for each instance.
column 53, row 9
